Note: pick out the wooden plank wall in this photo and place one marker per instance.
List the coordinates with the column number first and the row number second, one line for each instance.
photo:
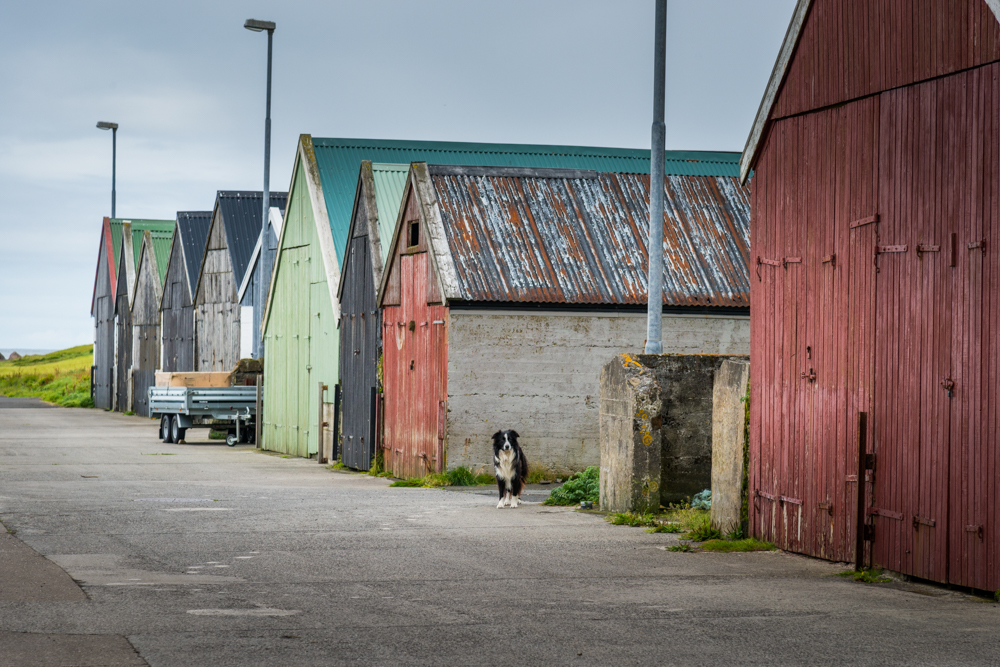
column 849, row 49
column 217, row 311
column 360, row 335
column 123, row 342
column 104, row 336
column 905, row 333
column 145, row 332
column 177, row 316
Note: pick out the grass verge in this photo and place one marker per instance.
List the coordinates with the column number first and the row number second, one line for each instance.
column 61, row 377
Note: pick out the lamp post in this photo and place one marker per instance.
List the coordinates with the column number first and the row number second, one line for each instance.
column 102, row 125
column 654, row 307
column 265, row 256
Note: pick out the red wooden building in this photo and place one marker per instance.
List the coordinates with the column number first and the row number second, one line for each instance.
column 506, row 289
column 875, row 284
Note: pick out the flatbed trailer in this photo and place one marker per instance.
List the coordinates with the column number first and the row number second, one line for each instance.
column 232, row 409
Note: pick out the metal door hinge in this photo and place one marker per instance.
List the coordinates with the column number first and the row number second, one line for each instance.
column 949, row 386
column 977, row 529
column 978, row 244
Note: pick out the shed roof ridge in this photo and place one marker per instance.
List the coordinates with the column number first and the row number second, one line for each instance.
column 525, row 149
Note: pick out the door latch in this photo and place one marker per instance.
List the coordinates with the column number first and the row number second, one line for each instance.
column 949, row 386
column 811, row 375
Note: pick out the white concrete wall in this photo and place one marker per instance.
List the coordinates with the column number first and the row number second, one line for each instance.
column 539, row 374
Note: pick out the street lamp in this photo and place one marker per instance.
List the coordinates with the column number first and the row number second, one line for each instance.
column 265, row 256
column 102, row 125
column 654, row 304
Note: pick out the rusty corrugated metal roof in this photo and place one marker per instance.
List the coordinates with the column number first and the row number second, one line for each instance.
column 576, row 237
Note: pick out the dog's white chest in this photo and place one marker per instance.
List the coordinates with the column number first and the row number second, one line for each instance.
column 504, row 464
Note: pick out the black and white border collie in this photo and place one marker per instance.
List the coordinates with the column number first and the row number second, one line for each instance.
column 510, row 466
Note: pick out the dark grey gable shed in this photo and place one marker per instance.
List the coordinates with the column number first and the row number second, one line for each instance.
column 376, row 204
column 177, row 304
column 233, row 233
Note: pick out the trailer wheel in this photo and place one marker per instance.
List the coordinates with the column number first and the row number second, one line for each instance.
column 231, row 439
column 176, row 432
column 165, row 428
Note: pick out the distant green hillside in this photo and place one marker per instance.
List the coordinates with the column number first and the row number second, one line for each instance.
column 61, row 377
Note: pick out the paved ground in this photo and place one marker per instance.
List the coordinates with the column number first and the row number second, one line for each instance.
column 199, row 554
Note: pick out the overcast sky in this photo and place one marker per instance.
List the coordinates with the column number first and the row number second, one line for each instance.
column 186, row 83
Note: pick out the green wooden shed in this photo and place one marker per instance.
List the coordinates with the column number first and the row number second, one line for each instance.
column 300, row 327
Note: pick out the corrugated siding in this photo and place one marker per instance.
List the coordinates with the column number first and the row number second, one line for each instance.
column 138, row 227
column 161, row 248
column 241, row 212
column 193, row 226
column 583, row 240
column 390, row 181
column 339, row 160
column 850, row 49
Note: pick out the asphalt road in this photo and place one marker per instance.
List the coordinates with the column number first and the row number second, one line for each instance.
column 199, row 554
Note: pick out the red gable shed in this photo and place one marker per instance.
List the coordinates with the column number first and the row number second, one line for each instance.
column 874, row 273
column 507, row 288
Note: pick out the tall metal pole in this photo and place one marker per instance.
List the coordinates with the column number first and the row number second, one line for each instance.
column 265, row 241
column 114, row 159
column 654, row 308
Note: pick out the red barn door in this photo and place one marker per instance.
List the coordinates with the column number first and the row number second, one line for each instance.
column 415, row 362
column 928, row 424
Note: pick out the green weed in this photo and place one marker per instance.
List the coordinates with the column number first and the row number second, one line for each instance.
column 377, row 467
column 460, row 476
column 867, row 575
column 540, row 473
column 665, row 528
column 583, row 486
column 412, row 482
column 729, row 546
column 682, row 547
column 217, row 435
column 633, row 519
column 701, row 530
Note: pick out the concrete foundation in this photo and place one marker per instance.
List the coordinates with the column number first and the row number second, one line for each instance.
column 538, row 373
column 728, row 442
column 656, row 429
column 630, row 436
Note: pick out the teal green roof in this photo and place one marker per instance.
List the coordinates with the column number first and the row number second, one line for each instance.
column 161, row 248
column 339, row 161
column 138, row 227
column 390, row 180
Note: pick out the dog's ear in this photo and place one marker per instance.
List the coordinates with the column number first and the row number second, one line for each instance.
column 497, row 436
column 514, row 433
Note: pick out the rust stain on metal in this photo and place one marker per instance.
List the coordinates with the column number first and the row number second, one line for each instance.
column 583, row 239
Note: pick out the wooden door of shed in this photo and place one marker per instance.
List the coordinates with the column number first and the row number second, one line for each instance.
column 416, row 366
column 928, row 297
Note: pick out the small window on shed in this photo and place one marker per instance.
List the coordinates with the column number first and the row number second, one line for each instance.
column 413, row 234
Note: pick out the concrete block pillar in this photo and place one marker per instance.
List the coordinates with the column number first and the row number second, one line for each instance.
column 630, row 432
column 728, row 435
